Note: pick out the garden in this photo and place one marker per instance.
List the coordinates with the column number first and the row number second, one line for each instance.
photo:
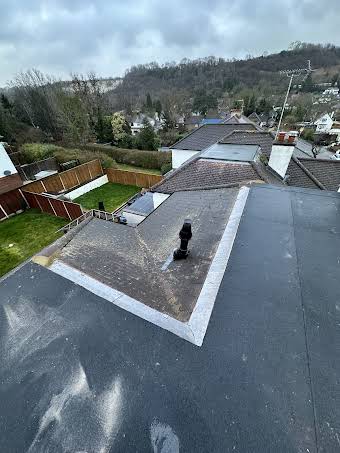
column 111, row 194
column 24, row 235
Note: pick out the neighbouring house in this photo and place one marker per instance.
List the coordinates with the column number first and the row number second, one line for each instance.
column 236, row 116
column 333, row 91
column 263, row 119
column 192, row 122
column 137, row 124
column 202, row 138
column 324, row 123
column 212, row 117
column 9, row 177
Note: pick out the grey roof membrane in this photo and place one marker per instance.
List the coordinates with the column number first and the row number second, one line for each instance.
column 231, row 152
column 80, row 374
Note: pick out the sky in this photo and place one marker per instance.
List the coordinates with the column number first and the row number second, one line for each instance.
column 109, row 36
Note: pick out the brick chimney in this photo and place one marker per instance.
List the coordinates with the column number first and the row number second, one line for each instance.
column 282, row 151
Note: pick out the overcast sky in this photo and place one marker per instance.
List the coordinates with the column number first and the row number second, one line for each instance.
column 108, row 36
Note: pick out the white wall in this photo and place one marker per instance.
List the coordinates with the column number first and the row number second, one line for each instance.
column 158, row 198
column 87, row 187
column 179, row 156
column 133, row 219
column 280, row 158
column 5, row 162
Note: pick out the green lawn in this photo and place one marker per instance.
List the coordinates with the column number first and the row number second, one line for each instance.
column 25, row 234
column 150, row 171
column 113, row 195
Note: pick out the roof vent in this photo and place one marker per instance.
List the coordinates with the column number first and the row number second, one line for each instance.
column 185, row 235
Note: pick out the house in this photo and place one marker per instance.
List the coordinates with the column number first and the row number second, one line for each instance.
column 263, row 119
column 212, row 117
column 9, row 177
column 333, row 91
column 233, row 349
column 192, row 122
column 202, row 138
column 324, row 123
column 137, row 123
column 289, row 162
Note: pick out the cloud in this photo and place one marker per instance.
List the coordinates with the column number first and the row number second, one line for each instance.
column 108, row 36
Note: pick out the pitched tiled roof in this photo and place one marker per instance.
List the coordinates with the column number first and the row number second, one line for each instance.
column 209, row 134
column 298, row 177
column 327, row 172
column 264, row 139
column 203, row 173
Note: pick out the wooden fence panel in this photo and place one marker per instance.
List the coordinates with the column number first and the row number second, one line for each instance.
column 45, row 204
column 31, row 200
column 53, row 184
column 11, row 202
column 73, row 209
column 69, row 179
column 60, row 210
column 83, row 173
column 35, row 187
column 132, row 178
column 95, row 168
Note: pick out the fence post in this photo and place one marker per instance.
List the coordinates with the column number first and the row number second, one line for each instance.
column 89, row 169
column 61, row 180
column 23, row 196
column 67, row 210
column 37, row 200
column 52, row 206
column 76, row 172
column 2, row 209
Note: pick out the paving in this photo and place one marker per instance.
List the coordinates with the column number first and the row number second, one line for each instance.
column 80, row 374
column 133, row 260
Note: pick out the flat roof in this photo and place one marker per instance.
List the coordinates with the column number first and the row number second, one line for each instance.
column 138, row 261
column 79, row 373
column 231, row 152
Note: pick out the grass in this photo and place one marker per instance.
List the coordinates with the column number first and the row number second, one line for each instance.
column 150, row 171
column 113, row 195
column 23, row 235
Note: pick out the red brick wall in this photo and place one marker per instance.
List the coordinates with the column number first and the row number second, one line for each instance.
column 10, row 182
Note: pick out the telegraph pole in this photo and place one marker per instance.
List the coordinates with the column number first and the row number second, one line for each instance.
column 291, row 73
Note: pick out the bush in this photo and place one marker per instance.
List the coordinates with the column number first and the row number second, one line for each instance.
column 165, row 168
column 31, row 152
column 139, row 158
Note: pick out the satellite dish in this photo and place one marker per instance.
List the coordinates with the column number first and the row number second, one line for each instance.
column 7, row 172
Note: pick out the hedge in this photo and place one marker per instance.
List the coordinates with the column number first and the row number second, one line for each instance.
column 139, row 158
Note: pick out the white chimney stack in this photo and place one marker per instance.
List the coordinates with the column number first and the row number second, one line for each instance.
column 282, row 151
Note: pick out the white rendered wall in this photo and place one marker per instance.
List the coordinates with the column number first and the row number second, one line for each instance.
column 179, row 156
column 280, row 158
column 87, row 187
column 5, row 162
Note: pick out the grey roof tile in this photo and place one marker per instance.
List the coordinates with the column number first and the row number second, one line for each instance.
column 209, row 134
column 208, row 173
column 264, row 139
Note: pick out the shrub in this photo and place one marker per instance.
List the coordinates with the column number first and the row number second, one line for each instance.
column 139, row 158
column 165, row 168
column 36, row 151
column 31, row 152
